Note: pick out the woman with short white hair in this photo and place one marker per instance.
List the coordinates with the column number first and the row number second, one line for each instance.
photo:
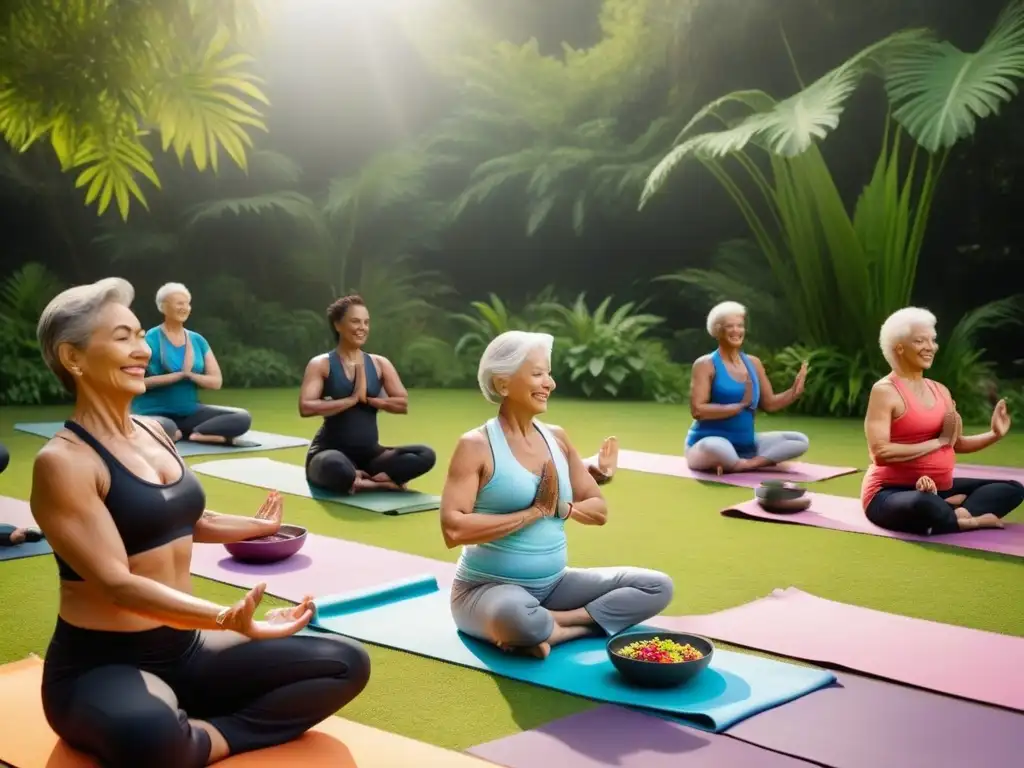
column 726, row 389
column 914, row 433
column 512, row 486
column 183, row 363
column 139, row 671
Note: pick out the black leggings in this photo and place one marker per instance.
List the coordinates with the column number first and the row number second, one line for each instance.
column 126, row 698
column 911, row 511
column 336, row 471
column 213, row 420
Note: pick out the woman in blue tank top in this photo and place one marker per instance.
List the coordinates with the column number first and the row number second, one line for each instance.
column 726, row 389
column 512, row 486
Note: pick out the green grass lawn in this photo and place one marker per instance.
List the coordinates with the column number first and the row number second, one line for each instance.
column 657, row 522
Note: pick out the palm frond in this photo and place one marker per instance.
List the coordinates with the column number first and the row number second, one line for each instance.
column 291, row 204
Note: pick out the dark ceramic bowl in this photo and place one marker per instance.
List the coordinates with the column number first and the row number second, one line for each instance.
column 782, row 498
column 652, row 674
column 269, row 549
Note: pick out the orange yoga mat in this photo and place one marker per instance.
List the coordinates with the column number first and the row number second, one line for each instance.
column 26, row 740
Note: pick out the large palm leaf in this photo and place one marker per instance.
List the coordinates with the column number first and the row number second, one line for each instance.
column 940, row 92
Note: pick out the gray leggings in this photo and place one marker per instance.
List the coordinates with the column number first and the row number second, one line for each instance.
column 708, row 453
column 213, row 420
column 615, row 598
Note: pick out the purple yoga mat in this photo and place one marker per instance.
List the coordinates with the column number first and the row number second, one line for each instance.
column 16, row 512
column 324, row 566
column 981, row 666
column 841, row 513
column 986, row 472
column 675, row 466
column 625, row 738
column 860, row 723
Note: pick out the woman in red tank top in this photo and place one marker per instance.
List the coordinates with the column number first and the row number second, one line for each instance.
column 914, row 433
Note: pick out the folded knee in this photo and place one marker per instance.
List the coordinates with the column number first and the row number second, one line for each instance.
column 152, row 736
column 520, row 625
column 1016, row 491
column 428, row 458
column 657, row 584
column 347, row 660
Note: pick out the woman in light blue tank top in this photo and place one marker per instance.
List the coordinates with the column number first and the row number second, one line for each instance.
column 727, row 388
column 512, row 487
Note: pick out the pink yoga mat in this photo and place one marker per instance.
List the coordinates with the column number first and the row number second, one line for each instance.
column 324, row 565
column 841, row 513
column 986, row 472
column 675, row 466
column 982, row 666
column 16, row 512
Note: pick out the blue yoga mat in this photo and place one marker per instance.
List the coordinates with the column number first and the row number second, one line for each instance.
column 414, row 616
column 26, row 549
column 252, row 440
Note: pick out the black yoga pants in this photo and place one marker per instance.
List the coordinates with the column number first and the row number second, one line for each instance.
column 336, row 470
column 256, row 693
column 911, row 511
column 213, row 420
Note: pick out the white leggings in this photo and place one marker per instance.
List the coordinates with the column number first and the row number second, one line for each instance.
column 708, row 453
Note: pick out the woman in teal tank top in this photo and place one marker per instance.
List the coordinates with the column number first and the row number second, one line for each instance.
column 512, row 487
column 726, row 389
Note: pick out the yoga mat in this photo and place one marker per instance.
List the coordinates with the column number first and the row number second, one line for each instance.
column 414, row 615
column 856, row 723
column 675, row 466
column 625, row 738
column 252, row 440
column 841, row 513
column 324, row 566
column 987, row 472
column 970, row 663
column 26, row 740
column 17, row 513
column 291, row 478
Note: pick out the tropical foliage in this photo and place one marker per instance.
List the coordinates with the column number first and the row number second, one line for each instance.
column 23, row 376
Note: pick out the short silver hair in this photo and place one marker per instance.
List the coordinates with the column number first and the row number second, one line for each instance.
column 721, row 311
column 169, row 289
column 898, row 326
column 506, row 354
column 70, row 318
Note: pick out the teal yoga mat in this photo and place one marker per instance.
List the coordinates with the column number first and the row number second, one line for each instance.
column 414, row 616
column 15, row 513
column 291, row 478
column 252, row 440
column 25, row 550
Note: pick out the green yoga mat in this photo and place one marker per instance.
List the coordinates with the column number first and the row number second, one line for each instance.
column 291, row 478
column 253, row 440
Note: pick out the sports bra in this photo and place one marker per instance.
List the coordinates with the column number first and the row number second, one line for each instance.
column 147, row 515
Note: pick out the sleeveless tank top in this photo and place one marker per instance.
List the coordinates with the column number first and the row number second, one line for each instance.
column 534, row 556
column 353, row 430
column 917, row 425
column 725, row 390
column 147, row 515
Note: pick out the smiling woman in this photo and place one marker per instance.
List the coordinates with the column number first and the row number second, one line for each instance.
column 181, row 363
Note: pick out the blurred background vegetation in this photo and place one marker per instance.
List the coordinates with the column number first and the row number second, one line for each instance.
column 605, row 170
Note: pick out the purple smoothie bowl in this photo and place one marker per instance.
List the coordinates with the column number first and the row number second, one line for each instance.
column 288, row 540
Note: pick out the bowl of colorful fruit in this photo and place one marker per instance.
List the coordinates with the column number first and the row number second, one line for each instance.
column 660, row 659
column 288, row 540
column 781, row 497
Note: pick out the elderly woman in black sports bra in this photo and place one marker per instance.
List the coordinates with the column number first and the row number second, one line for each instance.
column 347, row 387
column 139, row 672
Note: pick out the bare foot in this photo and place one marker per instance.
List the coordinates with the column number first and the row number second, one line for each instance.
column 196, row 437
column 384, row 482
column 981, row 521
column 962, row 514
column 749, row 465
column 18, row 535
column 956, row 501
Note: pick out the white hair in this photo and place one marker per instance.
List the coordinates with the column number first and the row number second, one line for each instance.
column 721, row 311
column 70, row 318
column 167, row 290
column 506, row 354
column 898, row 326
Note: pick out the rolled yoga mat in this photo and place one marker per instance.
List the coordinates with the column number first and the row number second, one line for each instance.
column 253, row 440
column 324, row 566
column 17, row 513
column 26, row 740
column 675, row 466
column 857, row 723
column 841, row 513
column 291, row 478
column 970, row 663
column 414, row 615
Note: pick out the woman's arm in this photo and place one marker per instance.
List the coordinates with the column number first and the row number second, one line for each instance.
column 460, row 525
column 215, row 528
column 212, row 379
column 588, row 505
column 878, row 425
column 156, row 380
column 701, row 407
column 66, row 504
column 311, row 393
column 769, row 401
column 396, row 399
